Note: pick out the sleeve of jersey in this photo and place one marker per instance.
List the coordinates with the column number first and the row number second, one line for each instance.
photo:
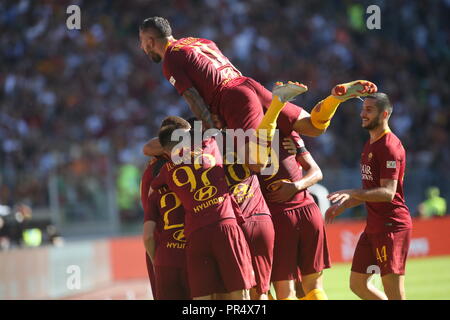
column 152, row 212
column 389, row 161
column 175, row 70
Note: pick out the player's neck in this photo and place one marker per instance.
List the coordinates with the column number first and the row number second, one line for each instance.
column 378, row 132
column 167, row 43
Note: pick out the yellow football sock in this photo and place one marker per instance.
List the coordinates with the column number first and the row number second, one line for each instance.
column 265, row 132
column 316, row 294
column 269, row 121
column 322, row 113
column 288, row 299
column 259, row 151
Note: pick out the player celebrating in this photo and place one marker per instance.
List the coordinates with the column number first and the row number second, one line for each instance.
column 218, row 257
column 148, row 236
column 257, row 223
column 300, row 251
column 210, row 83
column 163, row 237
column 385, row 240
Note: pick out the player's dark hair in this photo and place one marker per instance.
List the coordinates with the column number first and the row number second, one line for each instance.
column 192, row 120
column 180, row 123
column 382, row 102
column 168, row 126
column 165, row 136
column 160, row 25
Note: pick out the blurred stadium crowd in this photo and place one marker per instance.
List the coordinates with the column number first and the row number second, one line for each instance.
column 80, row 104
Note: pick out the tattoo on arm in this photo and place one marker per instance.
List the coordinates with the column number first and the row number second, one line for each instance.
column 198, row 106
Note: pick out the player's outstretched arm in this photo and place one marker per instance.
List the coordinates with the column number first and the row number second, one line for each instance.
column 384, row 193
column 321, row 115
column 338, row 208
column 198, row 107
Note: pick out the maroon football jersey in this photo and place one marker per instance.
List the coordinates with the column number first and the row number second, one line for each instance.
column 385, row 159
column 194, row 62
column 288, row 170
column 246, row 190
column 146, row 180
column 244, row 186
column 201, row 186
column 164, row 208
column 153, row 166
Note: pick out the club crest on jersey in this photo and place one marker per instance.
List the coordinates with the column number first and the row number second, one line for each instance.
column 172, row 80
column 391, row 164
column 370, row 156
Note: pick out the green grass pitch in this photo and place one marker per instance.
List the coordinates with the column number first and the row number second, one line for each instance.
column 426, row 279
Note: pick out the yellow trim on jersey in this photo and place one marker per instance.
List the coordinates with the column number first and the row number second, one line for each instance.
column 381, row 136
column 167, row 45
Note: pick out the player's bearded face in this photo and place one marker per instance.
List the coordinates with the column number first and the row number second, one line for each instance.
column 155, row 57
column 370, row 116
column 372, row 121
column 147, row 44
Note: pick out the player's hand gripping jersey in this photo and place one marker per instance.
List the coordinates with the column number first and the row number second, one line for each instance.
column 288, row 170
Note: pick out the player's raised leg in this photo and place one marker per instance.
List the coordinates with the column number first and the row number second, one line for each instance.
column 318, row 121
column 281, row 94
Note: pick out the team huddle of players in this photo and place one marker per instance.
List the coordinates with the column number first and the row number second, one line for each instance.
column 216, row 229
column 236, row 240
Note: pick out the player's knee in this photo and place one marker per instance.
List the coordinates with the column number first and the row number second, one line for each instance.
column 305, row 127
column 354, row 287
column 312, row 281
column 394, row 289
column 284, row 289
column 358, row 286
